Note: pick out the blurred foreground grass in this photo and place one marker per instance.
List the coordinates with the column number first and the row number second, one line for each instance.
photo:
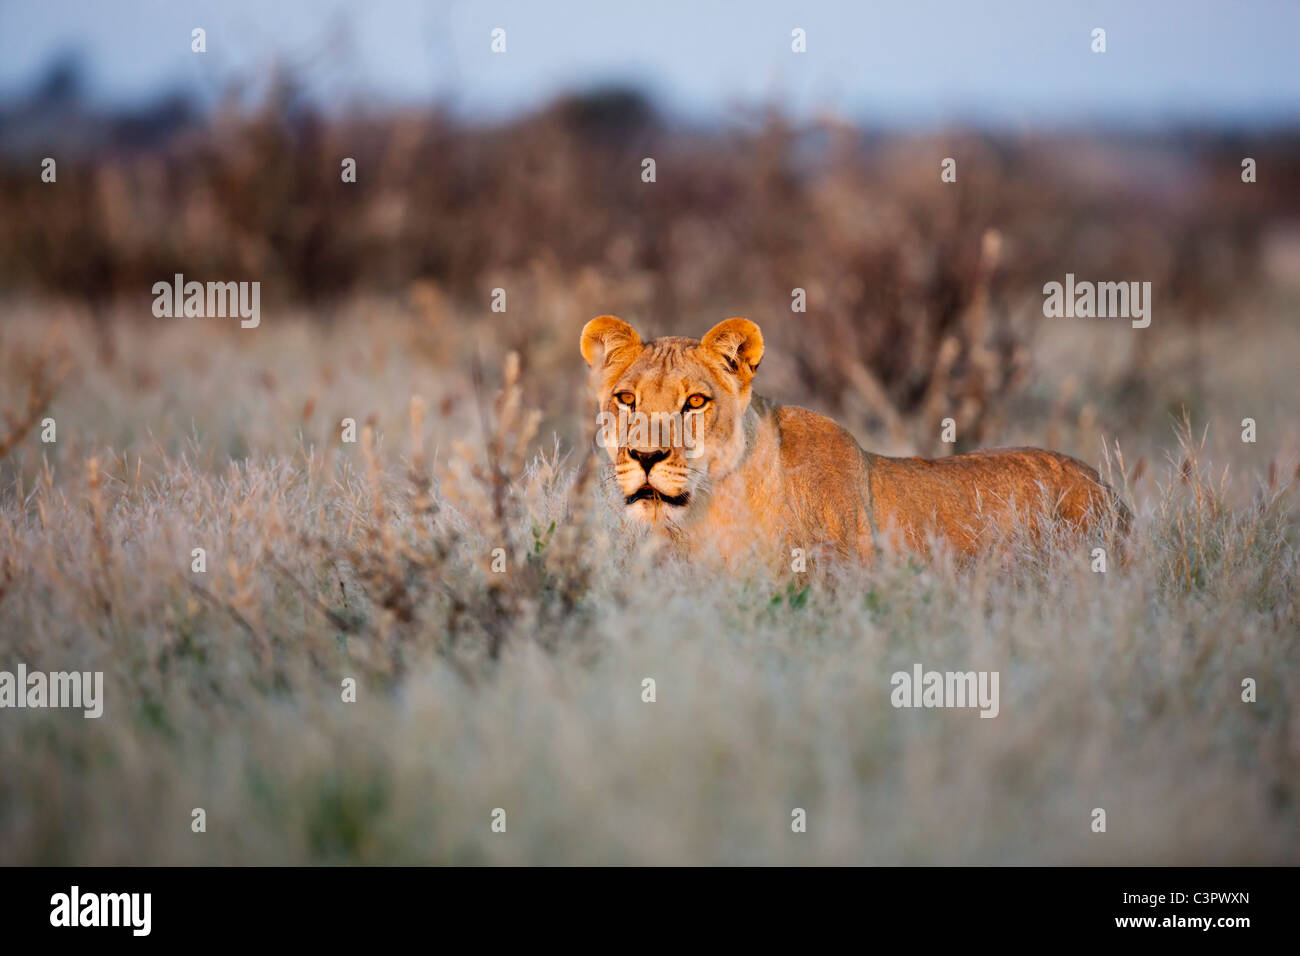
column 523, row 690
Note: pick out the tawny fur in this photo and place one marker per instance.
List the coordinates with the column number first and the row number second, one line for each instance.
column 769, row 478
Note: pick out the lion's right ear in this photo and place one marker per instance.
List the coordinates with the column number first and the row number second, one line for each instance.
column 740, row 344
column 606, row 336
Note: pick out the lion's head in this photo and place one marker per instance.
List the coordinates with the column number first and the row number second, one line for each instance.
column 671, row 410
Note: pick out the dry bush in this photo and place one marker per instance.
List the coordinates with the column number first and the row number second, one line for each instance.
column 920, row 292
column 33, row 378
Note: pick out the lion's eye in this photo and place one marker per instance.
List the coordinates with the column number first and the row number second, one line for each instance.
column 697, row 401
column 625, row 398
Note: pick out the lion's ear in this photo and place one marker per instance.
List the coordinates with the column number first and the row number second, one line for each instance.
column 606, row 336
column 740, row 344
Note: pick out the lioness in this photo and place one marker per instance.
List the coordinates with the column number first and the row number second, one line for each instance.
column 735, row 472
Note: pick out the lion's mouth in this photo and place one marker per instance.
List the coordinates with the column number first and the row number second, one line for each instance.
column 649, row 493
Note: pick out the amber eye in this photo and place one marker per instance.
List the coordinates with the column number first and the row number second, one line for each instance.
column 625, row 398
column 697, row 401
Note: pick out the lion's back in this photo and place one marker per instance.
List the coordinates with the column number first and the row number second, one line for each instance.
column 954, row 496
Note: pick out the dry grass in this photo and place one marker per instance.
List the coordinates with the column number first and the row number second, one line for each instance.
column 522, row 690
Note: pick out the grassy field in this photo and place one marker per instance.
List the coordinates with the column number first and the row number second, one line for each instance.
column 523, row 690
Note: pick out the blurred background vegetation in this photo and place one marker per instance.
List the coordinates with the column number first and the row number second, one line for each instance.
column 922, row 296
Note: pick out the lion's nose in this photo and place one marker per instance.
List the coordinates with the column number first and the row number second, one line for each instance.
column 648, row 459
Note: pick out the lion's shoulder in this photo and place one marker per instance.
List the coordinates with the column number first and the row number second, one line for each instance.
column 804, row 434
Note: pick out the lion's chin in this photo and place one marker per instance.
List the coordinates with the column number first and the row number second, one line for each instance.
column 652, row 494
column 657, row 511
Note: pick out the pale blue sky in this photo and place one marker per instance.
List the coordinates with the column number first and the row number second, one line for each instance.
column 925, row 61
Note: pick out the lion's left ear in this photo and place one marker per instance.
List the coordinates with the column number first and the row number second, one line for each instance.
column 740, row 344
column 608, row 337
